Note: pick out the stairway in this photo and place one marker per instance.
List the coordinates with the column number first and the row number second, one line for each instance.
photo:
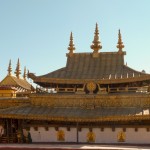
column 11, row 139
column 4, row 139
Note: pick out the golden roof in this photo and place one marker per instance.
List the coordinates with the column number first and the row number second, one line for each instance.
column 100, row 67
column 15, row 82
column 108, row 66
column 74, row 114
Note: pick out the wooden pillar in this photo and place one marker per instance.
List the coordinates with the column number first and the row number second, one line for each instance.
column 7, row 129
column 108, row 88
column 4, row 127
column 77, row 132
column 20, row 132
column 11, row 130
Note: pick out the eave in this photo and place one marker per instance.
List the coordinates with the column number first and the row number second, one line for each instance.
column 77, row 119
column 83, row 81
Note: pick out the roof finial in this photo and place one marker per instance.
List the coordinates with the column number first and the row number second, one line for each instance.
column 28, row 74
column 9, row 68
column 18, row 71
column 71, row 47
column 96, row 43
column 24, row 74
column 120, row 45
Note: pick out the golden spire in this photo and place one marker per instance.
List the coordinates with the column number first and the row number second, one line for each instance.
column 28, row 73
column 120, row 45
column 96, row 43
column 18, row 71
column 9, row 68
column 24, row 74
column 71, row 47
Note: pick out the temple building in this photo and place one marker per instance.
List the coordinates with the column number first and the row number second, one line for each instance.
column 16, row 83
column 95, row 98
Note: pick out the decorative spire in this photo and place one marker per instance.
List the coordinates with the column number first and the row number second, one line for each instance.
column 18, row 71
column 9, row 68
column 71, row 47
column 28, row 74
column 24, row 74
column 96, row 43
column 120, row 45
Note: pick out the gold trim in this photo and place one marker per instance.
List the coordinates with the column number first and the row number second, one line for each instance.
column 82, row 81
column 121, row 136
column 91, row 86
column 61, row 135
column 76, row 119
column 91, row 137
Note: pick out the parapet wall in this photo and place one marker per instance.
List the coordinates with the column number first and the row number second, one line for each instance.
column 91, row 101
column 12, row 102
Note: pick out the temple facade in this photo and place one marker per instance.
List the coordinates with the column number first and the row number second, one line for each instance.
column 95, row 98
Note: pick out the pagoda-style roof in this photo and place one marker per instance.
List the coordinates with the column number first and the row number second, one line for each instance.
column 79, row 108
column 20, row 83
column 13, row 81
column 108, row 67
column 99, row 67
column 76, row 114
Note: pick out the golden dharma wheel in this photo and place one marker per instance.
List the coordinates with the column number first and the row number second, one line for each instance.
column 91, row 86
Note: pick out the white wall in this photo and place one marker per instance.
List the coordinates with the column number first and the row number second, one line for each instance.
column 70, row 136
column 82, row 135
column 51, row 135
column 142, row 136
column 106, row 136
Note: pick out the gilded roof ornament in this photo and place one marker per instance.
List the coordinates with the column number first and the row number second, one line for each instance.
column 71, row 47
column 9, row 68
column 28, row 74
column 120, row 45
column 18, row 71
column 25, row 73
column 96, row 43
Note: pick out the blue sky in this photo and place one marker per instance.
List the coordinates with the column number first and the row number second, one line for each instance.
column 37, row 31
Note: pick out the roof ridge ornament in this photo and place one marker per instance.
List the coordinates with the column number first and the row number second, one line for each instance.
column 9, row 68
column 120, row 45
column 96, row 42
column 18, row 71
column 71, row 46
column 24, row 74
